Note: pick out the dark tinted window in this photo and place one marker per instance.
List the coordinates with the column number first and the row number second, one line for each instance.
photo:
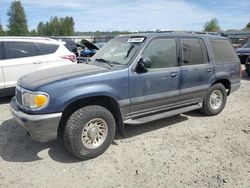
column 48, row 48
column 20, row 49
column 193, row 52
column 223, row 51
column 162, row 53
column 69, row 42
column 1, row 50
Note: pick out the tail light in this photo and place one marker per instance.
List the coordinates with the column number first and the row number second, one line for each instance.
column 70, row 57
column 241, row 71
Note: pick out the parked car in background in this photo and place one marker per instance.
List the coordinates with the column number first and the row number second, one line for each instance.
column 70, row 43
column 244, row 52
column 133, row 79
column 88, row 49
column 22, row 55
column 247, row 65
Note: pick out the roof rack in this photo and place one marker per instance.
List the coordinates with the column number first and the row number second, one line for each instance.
column 21, row 37
column 191, row 32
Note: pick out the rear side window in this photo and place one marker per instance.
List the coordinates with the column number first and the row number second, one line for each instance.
column 193, row 51
column 20, row 49
column 223, row 51
column 48, row 48
column 1, row 50
column 162, row 53
column 68, row 47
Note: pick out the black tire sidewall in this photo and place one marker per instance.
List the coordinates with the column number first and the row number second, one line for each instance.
column 206, row 105
column 76, row 123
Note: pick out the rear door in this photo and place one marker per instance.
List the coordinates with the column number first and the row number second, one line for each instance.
column 1, row 66
column 158, row 88
column 196, row 71
column 21, row 58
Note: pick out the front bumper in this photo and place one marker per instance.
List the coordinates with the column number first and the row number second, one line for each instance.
column 42, row 128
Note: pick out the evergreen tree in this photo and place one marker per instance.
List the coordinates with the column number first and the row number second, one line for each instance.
column 41, row 29
column 248, row 25
column 17, row 20
column 2, row 33
column 33, row 32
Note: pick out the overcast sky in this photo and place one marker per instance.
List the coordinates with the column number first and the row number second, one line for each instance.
column 134, row 15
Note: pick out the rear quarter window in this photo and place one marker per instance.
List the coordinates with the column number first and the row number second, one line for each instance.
column 47, row 48
column 223, row 51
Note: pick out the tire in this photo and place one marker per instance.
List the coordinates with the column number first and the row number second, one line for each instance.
column 89, row 131
column 215, row 100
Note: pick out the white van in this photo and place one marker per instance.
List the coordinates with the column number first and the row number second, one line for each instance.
column 22, row 55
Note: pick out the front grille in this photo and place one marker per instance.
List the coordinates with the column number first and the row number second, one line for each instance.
column 18, row 96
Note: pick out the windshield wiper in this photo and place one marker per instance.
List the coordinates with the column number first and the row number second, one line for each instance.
column 105, row 61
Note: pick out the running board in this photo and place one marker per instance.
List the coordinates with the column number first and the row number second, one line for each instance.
column 162, row 115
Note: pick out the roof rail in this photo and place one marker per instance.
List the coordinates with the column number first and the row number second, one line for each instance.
column 21, row 37
column 192, row 32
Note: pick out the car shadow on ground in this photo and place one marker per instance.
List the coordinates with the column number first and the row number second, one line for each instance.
column 17, row 146
column 5, row 100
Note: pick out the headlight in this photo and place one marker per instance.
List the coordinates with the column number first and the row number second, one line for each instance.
column 35, row 101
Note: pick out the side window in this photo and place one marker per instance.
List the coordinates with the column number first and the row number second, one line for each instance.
column 193, row 52
column 20, row 49
column 1, row 50
column 47, row 48
column 223, row 51
column 162, row 53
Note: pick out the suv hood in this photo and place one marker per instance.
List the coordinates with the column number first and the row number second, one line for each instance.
column 39, row 78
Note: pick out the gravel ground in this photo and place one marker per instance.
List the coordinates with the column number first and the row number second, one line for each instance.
column 188, row 150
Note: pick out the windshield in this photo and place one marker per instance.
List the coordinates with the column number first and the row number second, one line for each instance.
column 247, row 45
column 119, row 50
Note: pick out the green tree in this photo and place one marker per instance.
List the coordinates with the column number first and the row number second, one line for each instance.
column 55, row 26
column 33, row 32
column 2, row 33
column 212, row 25
column 41, row 29
column 67, row 26
column 248, row 25
column 17, row 20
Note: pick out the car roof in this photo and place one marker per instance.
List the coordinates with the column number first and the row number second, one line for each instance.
column 30, row 39
column 211, row 35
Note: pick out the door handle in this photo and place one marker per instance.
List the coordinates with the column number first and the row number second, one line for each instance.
column 37, row 62
column 173, row 74
column 208, row 70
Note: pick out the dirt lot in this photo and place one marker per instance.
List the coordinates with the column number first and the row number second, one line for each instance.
column 188, row 150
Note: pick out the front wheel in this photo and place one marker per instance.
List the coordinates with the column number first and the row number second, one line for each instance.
column 215, row 100
column 89, row 131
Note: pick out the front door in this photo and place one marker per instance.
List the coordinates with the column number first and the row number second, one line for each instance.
column 158, row 88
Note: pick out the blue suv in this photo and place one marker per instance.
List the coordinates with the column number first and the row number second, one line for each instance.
column 133, row 79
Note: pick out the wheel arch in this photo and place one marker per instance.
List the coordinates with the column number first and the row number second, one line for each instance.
column 105, row 101
column 225, row 82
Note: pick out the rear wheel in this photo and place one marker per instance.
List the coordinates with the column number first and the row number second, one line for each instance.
column 215, row 100
column 89, row 131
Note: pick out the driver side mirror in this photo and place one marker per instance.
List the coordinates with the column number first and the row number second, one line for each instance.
column 143, row 65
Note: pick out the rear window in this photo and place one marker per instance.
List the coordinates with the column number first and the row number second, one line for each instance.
column 68, row 47
column 20, row 49
column 223, row 51
column 69, row 42
column 47, row 48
